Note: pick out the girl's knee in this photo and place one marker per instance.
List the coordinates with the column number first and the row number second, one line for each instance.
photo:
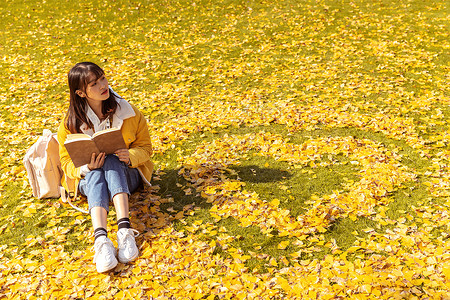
column 94, row 176
column 111, row 161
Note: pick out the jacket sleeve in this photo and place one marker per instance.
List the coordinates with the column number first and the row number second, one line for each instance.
column 141, row 148
column 66, row 162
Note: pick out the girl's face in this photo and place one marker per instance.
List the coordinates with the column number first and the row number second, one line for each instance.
column 97, row 88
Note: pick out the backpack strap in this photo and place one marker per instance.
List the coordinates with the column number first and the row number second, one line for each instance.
column 67, row 197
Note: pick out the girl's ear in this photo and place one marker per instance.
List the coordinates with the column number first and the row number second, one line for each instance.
column 80, row 93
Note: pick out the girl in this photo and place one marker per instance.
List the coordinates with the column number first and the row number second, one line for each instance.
column 94, row 106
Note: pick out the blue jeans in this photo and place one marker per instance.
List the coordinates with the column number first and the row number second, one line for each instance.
column 102, row 184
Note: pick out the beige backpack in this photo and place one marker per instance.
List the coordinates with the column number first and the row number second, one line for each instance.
column 44, row 169
column 43, row 166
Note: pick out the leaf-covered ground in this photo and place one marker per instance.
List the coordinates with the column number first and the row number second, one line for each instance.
column 301, row 147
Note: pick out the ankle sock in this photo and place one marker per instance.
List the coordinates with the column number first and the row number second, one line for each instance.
column 124, row 223
column 98, row 232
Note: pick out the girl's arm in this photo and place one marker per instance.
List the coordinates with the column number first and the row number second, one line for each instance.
column 66, row 162
column 141, row 148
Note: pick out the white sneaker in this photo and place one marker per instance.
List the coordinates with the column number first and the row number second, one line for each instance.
column 128, row 250
column 105, row 254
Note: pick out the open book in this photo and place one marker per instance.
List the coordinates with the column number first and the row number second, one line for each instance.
column 80, row 146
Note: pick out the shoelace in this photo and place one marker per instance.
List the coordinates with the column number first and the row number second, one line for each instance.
column 136, row 233
column 130, row 233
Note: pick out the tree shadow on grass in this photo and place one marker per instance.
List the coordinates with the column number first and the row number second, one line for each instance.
column 156, row 207
column 255, row 174
column 172, row 185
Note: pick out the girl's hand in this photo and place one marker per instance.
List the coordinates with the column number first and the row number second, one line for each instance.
column 123, row 155
column 97, row 162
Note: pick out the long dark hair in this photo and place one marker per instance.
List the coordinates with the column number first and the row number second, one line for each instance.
column 78, row 80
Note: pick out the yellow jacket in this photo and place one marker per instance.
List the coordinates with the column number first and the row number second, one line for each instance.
column 137, row 138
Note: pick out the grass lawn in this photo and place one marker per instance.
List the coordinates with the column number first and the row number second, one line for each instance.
column 301, row 148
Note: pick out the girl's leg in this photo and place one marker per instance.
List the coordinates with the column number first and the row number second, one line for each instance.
column 116, row 173
column 121, row 204
column 121, row 182
column 94, row 186
column 98, row 216
column 128, row 250
column 122, row 210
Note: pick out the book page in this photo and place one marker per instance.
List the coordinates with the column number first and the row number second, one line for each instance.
column 77, row 136
column 105, row 131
